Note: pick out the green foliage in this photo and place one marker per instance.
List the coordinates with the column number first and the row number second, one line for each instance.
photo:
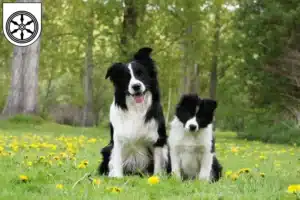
column 26, row 119
column 285, row 132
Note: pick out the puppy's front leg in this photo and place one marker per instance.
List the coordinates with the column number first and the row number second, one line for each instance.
column 116, row 161
column 158, row 159
column 175, row 162
column 206, row 165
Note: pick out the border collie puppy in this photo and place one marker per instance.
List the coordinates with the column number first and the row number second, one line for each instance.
column 191, row 140
column 138, row 139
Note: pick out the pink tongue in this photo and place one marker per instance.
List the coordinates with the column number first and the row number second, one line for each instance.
column 139, row 99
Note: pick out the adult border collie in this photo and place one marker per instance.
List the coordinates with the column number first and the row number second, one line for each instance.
column 138, row 139
column 191, row 140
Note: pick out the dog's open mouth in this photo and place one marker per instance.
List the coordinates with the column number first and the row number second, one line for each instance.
column 138, row 97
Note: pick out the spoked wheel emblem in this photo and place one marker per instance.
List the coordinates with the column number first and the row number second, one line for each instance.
column 22, row 27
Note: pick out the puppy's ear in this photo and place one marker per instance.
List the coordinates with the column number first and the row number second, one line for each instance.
column 209, row 105
column 143, row 53
column 112, row 70
column 188, row 99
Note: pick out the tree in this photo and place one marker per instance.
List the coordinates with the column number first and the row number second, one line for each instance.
column 23, row 95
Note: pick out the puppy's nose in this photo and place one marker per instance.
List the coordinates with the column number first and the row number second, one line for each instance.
column 136, row 87
column 192, row 127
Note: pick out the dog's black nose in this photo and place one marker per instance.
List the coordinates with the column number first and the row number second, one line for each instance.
column 136, row 87
column 192, row 127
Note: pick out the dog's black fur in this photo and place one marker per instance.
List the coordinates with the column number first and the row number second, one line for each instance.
column 144, row 69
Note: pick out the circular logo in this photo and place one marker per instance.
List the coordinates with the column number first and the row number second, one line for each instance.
column 22, row 27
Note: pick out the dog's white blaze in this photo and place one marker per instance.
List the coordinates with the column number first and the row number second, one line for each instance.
column 191, row 151
column 191, row 121
column 133, row 81
column 133, row 137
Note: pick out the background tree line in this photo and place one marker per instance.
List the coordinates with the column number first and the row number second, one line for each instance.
column 244, row 53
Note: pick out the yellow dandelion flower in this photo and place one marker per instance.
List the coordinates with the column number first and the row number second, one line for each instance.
column 153, row 180
column 96, row 181
column 59, row 186
column 294, row 188
column 85, row 162
column 228, row 173
column 81, row 166
column 114, row 190
column 234, row 176
column 23, row 178
column 92, row 140
column 244, row 170
column 56, row 157
column 234, row 149
column 1, row 149
column 262, row 174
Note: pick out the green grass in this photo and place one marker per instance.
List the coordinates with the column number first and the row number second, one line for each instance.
column 26, row 144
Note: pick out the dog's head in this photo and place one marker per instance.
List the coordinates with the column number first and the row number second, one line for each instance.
column 195, row 113
column 136, row 77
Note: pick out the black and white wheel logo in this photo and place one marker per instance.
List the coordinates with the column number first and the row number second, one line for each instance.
column 22, row 27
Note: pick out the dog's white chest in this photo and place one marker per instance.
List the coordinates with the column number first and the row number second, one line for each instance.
column 189, row 148
column 135, row 136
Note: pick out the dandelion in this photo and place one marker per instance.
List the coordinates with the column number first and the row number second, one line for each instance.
column 244, row 171
column 153, row 180
column 81, row 166
column 234, row 149
column 234, row 176
column 96, row 181
column 85, row 162
column 59, row 186
column 228, row 173
column 23, row 178
column 56, row 157
column 294, row 188
column 114, row 190
column 92, row 140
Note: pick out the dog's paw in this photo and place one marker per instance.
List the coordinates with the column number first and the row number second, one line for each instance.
column 113, row 174
column 204, row 176
column 176, row 174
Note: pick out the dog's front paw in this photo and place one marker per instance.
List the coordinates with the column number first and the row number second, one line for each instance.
column 205, row 176
column 176, row 174
column 114, row 174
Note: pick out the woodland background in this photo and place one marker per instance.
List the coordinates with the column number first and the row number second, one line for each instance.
column 243, row 53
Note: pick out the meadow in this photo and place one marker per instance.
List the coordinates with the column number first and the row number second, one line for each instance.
column 43, row 160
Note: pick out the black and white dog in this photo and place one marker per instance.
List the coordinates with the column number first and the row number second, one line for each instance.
column 138, row 143
column 191, row 140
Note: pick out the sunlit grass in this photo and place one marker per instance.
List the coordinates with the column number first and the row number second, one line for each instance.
column 49, row 161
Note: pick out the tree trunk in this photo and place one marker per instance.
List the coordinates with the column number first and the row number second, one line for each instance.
column 129, row 27
column 23, row 94
column 215, row 56
column 30, row 71
column 88, row 116
column 186, row 75
column 194, row 85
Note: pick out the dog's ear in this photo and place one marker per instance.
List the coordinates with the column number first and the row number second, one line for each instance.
column 188, row 100
column 112, row 71
column 143, row 53
column 209, row 105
